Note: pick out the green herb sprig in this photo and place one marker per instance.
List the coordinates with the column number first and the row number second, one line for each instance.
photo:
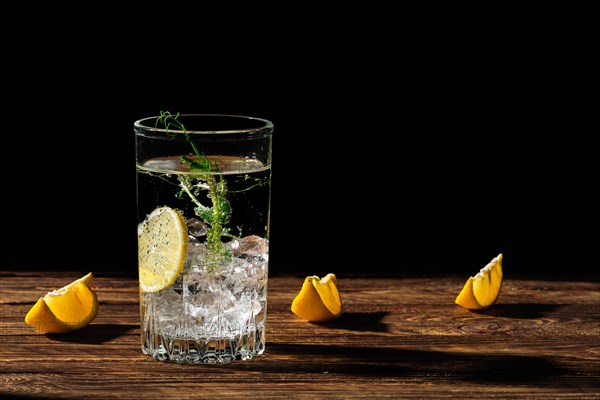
column 207, row 177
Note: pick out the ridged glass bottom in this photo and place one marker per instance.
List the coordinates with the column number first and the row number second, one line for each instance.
column 209, row 351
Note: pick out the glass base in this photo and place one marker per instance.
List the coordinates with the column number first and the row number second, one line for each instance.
column 204, row 351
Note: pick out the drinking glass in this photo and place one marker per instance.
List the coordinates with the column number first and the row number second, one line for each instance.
column 203, row 295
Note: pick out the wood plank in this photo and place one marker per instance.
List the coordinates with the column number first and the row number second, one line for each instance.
column 399, row 337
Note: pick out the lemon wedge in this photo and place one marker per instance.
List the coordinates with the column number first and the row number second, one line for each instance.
column 162, row 247
column 318, row 299
column 69, row 308
column 482, row 290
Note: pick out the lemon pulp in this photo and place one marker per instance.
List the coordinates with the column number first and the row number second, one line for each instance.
column 162, row 247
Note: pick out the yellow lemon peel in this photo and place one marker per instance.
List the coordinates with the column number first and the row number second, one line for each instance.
column 482, row 290
column 318, row 299
column 69, row 308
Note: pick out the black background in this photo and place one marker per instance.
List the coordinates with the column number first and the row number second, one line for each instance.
column 428, row 147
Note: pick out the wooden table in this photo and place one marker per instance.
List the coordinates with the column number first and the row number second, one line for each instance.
column 399, row 337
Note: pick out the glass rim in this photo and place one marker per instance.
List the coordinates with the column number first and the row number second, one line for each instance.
column 267, row 125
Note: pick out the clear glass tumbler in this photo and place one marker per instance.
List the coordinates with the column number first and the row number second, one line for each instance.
column 203, row 201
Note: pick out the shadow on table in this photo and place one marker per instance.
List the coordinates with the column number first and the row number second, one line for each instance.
column 95, row 333
column 358, row 322
column 394, row 362
column 13, row 396
column 520, row 310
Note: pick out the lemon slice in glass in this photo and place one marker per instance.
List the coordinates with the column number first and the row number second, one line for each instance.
column 162, row 247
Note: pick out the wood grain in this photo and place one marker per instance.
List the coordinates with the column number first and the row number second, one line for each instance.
column 399, row 337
